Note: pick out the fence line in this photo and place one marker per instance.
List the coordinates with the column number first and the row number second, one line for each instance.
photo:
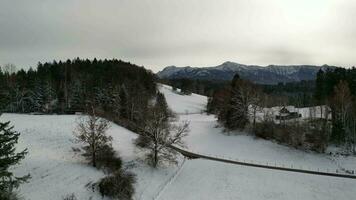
column 192, row 155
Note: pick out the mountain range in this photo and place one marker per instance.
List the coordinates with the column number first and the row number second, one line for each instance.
column 271, row 74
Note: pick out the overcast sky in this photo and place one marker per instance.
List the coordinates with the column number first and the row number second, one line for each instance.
column 158, row 33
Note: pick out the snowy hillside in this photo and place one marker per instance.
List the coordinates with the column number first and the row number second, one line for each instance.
column 57, row 170
column 205, row 137
column 208, row 180
column 183, row 104
column 203, row 179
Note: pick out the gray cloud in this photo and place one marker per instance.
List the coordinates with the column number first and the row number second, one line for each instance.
column 157, row 33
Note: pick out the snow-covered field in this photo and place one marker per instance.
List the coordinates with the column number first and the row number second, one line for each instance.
column 183, row 104
column 56, row 170
column 209, row 180
column 206, row 138
column 203, row 179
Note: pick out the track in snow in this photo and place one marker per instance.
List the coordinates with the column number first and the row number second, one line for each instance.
column 192, row 155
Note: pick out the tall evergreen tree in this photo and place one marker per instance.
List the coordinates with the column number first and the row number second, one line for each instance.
column 319, row 87
column 123, row 102
column 162, row 105
column 8, row 158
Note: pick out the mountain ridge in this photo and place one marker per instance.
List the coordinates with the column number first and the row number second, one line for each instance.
column 271, row 74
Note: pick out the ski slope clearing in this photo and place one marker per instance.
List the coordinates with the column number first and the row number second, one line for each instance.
column 56, row 170
column 183, row 104
column 203, row 179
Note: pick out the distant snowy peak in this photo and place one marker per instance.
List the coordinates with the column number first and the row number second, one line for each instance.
column 271, row 74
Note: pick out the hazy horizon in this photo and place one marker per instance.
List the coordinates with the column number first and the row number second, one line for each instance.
column 197, row 33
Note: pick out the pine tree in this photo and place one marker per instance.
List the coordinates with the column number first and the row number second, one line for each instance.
column 50, row 98
column 37, row 98
column 116, row 101
column 123, row 102
column 319, row 93
column 76, row 100
column 319, row 86
column 162, row 105
column 8, row 158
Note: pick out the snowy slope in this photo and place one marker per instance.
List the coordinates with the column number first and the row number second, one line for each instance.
column 57, row 171
column 209, row 180
column 205, row 137
column 202, row 179
column 183, row 104
column 54, row 168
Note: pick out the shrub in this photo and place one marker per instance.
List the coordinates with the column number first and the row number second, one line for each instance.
column 70, row 197
column 310, row 135
column 264, row 130
column 108, row 159
column 119, row 185
column 142, row 142
column 5, row 195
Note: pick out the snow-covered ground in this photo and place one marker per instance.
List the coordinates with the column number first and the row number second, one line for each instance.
column 183, row 104
column 202, row 179
column 209, row 180
column 206, row 138
column 56, row 170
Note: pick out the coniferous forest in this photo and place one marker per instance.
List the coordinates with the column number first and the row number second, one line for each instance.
column 115, row 87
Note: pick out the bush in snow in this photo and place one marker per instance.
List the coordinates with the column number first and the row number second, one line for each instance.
column 264, row 129
column 8, row 196
column 312, row 134
column 119, row 185
column 70, row 197
column 107, row 158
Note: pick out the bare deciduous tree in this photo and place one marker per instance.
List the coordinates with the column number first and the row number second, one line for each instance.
column 91, row 131
column 159, row 135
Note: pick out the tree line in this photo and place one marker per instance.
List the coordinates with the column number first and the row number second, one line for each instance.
column 118, row 88
column 291, row 93
column 337, row 89
column 238, row 104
